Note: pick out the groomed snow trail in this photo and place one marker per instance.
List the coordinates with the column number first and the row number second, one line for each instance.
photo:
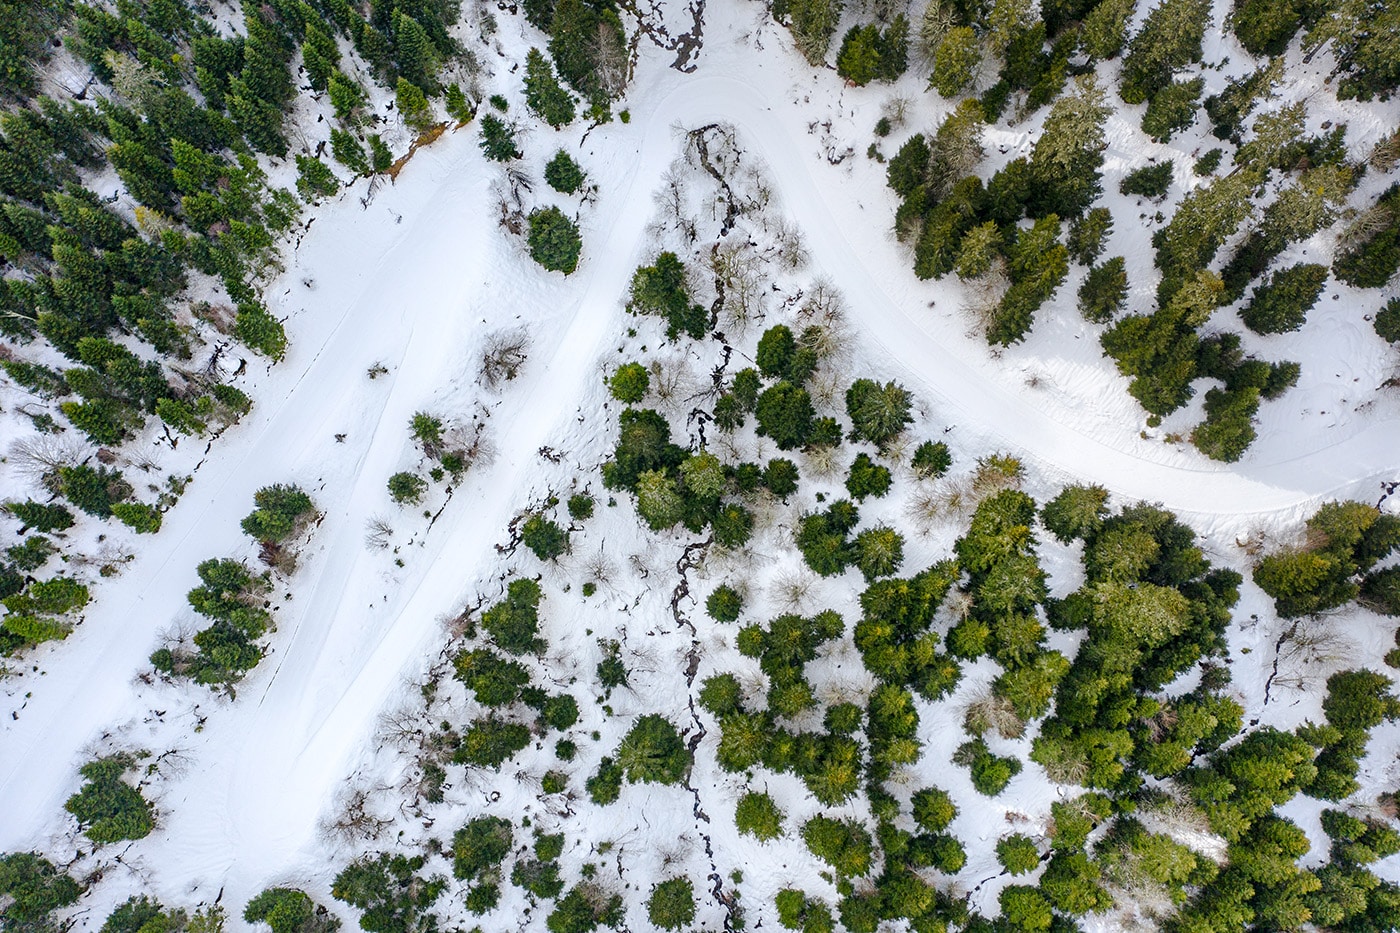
column 266, row 766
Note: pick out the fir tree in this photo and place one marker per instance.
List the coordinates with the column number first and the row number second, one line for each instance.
column 412, row 105
column 543, row 93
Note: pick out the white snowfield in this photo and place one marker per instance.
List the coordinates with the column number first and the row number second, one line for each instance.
column 411, row 292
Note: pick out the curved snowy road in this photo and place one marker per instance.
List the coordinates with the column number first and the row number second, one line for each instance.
column 266, row 765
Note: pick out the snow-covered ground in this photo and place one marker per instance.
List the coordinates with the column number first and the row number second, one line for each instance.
column 419, row 281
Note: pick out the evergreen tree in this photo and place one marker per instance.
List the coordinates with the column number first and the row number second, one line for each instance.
column 1172, row 108
column 672, row 904
column 412, row 105
column 414, row 53
column 347, row 97
column 497, row 139
column 1282, row 304
column 543, row 93
column 1105, row 28
column 1104, row 291
column 878, row 413
column 109, row 809
column 33, row 888
column 813, row 22
column 1065, row 162
column 563, row 174
column 845, row 845
column 1169, row 39
column 346, row 150
column 858, row 61
column 956, row 61
column 320, row 55
column 785, row 414
column 554, row 240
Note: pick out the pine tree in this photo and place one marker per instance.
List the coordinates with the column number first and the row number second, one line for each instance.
column 497, row 139
column 458, row 107
column 554, row 240
column 563, row 174
column 1202, row 222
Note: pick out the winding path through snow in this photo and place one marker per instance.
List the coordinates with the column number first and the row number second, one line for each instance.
column 266, row 765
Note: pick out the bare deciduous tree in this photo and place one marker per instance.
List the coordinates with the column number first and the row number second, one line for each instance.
column 611, row 64
column 37, row 457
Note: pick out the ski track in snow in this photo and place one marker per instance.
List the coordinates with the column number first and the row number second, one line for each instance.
column 268, row 763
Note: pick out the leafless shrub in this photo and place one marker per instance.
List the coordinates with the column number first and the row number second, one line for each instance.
column 896, row 449
column 177, row 637
column 995, row 473
column 952, row 500
column 789, row 244
column 147, row 461
column 1178, row 818
column 280, row 558
column 824, row 305
column 599, row 567
column 827, row 390
column 985, row 710
column 793, row 590
column 611, row 63
column 1310, row 642
column 505, row 353
column 401, row 728
column 670, row 379
column 1252, row 543
column 354, row 821
column 826, row 338
column 736, row 267
column 640, row 563
column 37, row 457
column 896, row 110
column 823, row 461
column 756, row 188
column 1066, row 765
column 672, row 198
column 924, row 509
column 218, row 316
column 473, row 444
column 109, row 558
column 378, row 531
column 729, row 447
